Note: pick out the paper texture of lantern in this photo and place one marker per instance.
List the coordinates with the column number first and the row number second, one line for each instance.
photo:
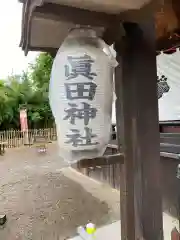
column 81, row 91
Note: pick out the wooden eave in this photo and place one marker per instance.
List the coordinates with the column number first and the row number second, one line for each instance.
column 45, row 23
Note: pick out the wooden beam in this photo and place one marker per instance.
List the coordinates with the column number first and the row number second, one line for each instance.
column 138, row 132
column 110, row 34
column 101, row 161
column 76, row 15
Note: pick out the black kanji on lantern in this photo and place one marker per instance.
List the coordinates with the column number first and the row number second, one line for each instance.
column 79, row 66
column 80, row 90
column 86, row 113
column 76, row 139
column 162, row 86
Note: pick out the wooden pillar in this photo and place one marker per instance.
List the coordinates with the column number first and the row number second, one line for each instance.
column 138, row 132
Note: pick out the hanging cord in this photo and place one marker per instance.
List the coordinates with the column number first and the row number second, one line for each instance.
column 174, row 48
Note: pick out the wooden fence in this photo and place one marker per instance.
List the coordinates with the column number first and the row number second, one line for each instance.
column 108, row 174
column 169, row 153
column 17, row 138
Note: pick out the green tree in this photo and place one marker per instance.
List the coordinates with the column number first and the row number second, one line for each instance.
column 40, row 73
column 28, row 90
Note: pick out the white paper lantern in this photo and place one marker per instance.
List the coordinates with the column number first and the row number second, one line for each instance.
column 81, row 91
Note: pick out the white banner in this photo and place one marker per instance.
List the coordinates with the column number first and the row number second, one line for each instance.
column 168, row 87
column 168, row 68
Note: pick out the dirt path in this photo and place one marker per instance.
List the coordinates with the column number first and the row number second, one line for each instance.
column 42, row 201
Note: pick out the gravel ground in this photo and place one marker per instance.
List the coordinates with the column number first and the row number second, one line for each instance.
column 42, row 202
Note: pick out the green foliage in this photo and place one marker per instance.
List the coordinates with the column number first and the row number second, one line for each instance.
column 30, row 91
column 41, row 70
